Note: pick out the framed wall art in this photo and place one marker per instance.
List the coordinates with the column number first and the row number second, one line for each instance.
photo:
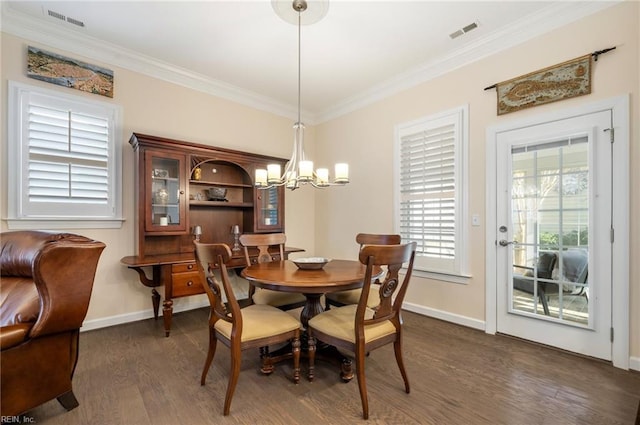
column 563, row 81
column 63, row 71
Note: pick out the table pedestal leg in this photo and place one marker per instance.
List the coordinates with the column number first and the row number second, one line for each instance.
column 324, row 352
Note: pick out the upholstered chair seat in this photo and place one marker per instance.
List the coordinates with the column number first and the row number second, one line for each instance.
column 259, row 321
column 340, row 323
column 277, row 298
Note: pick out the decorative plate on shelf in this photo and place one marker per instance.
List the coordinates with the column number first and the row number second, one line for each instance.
column 311, row 263
column 160, row 173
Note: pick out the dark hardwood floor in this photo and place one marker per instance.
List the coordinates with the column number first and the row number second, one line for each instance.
column 132, row 374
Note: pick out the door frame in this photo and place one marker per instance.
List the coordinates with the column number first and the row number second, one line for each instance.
column 620, row 220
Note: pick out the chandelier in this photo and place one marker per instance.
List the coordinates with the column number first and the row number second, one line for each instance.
column 299, row 170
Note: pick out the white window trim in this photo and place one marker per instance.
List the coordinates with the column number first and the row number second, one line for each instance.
column 15, row 172
column 460, row 275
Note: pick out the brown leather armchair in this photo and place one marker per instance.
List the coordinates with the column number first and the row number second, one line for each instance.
column 45, row 289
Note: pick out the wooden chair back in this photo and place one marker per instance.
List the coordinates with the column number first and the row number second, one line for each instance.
column 352, row 296
column 210, row 257
column 262, row 242
column 392, row 288
column 377, row 239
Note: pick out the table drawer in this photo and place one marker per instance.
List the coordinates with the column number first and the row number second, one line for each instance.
column 186, row 284
column 184, row 267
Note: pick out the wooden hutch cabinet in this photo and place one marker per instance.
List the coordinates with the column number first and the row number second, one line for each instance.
column 183, row 186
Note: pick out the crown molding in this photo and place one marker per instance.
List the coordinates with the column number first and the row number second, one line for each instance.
column 534, row 25
column 53, row 35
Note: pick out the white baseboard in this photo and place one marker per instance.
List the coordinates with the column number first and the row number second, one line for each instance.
column 634, row 362
column 446, row 316
column 121, row 319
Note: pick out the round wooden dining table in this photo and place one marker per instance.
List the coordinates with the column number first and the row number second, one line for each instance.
column 285, row 276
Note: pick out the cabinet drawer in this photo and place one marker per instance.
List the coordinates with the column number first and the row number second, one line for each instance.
column 237, row 263
column 184, row 267
column 186, row 284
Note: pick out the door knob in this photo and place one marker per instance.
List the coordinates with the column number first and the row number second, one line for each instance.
column 503, row 242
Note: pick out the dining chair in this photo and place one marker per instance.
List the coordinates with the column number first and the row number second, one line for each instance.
column 262, row 242
column 361, row 329
column 254, row 326
column 352, row 296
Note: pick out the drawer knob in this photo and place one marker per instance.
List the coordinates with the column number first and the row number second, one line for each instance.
column 190, row 283
column 190, row 266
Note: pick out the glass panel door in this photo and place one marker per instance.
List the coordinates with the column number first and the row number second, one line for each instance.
column 553, row 251
column 165, row 193
column 268, row 208
column 550, row 218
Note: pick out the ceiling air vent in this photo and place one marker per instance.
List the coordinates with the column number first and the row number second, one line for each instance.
column 65, row 18
column 463, row 30
column 56, row 15
column 75, row 22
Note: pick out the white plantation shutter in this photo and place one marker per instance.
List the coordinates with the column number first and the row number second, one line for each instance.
column 429, row 189
column 67, row 156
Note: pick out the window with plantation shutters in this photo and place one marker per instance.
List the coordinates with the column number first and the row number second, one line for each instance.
column 430, row 161
column 65, row 165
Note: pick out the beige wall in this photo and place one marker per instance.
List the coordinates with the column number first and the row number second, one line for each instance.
column 365, row 204
column 151, row 106
column 325, row 222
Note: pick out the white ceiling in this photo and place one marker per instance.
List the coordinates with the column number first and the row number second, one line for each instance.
column 360, row 51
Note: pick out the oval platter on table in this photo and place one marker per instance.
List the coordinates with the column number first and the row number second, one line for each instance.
column 311, row 263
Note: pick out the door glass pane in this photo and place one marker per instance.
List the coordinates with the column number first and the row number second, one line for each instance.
column 550, row 219
column 165, row 192
column 269, row 207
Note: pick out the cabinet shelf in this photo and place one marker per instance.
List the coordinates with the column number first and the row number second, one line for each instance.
column 165, row 205
column 221, row 204
column 219, row 184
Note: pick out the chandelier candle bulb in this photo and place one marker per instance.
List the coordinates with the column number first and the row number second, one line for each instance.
column 273, row 173
column 291, row 180
column 342, row 173
column 322, row 176
column 306, row 170
column 261, row 177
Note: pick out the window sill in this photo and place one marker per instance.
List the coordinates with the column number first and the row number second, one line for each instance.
column 40, row 223
column 444, row 277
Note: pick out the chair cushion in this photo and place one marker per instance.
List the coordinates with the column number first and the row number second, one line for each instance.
column 353, row 297
column 19, row 301
column 574, row 262
column 340, row 323
column 260, row 321
column 276, row 298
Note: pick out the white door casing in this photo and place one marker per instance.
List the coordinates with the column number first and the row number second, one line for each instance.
column 497, row 275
